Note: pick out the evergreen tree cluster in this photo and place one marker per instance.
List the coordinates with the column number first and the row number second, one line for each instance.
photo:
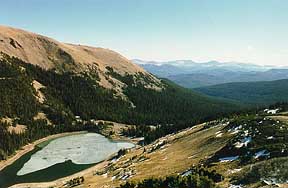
column 198, row 178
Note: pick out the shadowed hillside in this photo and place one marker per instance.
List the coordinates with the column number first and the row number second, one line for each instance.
column 250, row 92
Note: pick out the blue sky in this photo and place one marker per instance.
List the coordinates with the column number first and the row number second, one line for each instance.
column 252, row 31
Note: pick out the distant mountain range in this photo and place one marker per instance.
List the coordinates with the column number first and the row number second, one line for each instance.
column 167, row 68
column 191, row 74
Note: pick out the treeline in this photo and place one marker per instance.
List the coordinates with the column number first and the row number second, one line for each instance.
column 152, row 133
column 36, row 129
column 198, row 178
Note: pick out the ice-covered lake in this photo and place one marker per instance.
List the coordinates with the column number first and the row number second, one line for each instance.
column 87, row 148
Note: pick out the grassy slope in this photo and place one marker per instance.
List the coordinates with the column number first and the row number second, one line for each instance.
column 179, row 153
column 176, row 153
column 253, row 92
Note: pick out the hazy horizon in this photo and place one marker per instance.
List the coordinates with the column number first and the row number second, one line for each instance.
column 159, row 62
column 245, row 31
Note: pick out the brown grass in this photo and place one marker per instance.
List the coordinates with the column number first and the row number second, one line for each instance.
column 43, row 51
column 181, row 151
column 280, row 118
column 18, row 129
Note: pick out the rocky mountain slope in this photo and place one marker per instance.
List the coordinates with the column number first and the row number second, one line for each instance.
column 51, row 54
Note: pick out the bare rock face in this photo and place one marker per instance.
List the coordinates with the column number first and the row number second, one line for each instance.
column 61, row 57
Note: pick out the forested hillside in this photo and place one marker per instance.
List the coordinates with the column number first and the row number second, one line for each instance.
column 67, row 95
column 260, row 93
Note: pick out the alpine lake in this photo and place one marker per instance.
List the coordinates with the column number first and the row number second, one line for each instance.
column 60, row 157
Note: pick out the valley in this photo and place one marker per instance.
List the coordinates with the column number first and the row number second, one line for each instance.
column 220, row 147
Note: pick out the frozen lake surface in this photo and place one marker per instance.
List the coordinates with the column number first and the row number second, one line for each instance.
column 85, row 148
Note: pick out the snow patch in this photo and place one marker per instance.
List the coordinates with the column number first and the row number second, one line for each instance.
column 243, row 142
column 261, row 153
column 235, row 186
column 218, row 134
column 235, row 130
column 228, row 159
column 271, row 111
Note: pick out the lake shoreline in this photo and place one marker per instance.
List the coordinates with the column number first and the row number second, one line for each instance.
column 29, row 147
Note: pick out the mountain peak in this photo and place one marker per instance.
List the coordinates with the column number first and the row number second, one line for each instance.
column 52, row 54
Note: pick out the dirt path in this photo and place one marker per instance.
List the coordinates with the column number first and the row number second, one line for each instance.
column 30, row 147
